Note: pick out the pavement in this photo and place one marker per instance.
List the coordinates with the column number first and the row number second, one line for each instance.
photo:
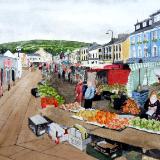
column 17, row 142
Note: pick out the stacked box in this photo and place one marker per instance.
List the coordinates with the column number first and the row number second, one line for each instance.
column 75, row 139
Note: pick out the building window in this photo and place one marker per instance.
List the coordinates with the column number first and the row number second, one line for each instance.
column 110, row 57
column 150, row 22
column 145, row 38
column 134, row 52
column 119, row 47
column 139, row 52
column 144, row 24
column 109, row 49
column 157, row 18
column 137, row 26
column 99, row 50
column 116, row 48
column 119, row 56
column 154, row 35
column 155, row 51
column 133, row 40
column 106, row 56
column 139, row 38
column 145, row 52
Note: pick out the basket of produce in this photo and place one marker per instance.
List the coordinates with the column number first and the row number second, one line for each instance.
column 130, row 107
column 73, row 107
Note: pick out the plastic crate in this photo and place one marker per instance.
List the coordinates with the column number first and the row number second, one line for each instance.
column 38, row 124
column 92, row 151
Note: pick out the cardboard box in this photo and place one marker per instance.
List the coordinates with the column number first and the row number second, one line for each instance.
column 75, row 139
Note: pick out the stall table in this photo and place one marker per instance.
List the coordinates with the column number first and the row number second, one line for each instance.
column 128, row 136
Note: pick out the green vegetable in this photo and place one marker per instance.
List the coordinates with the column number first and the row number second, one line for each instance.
column 48, row 91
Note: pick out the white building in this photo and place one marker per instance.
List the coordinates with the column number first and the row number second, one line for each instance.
column 45, row 57
column 23, row 58
column 18, row 62
column 74, row 56
column 95, row 55
column 34, row 58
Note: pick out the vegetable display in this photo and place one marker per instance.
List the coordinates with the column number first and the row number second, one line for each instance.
column 48, row 91
column 70, row 106
column 130, row 106
column 88, row 115
column 145, row 124
column 102, row 118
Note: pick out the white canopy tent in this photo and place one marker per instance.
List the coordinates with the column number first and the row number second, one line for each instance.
column 9, row 54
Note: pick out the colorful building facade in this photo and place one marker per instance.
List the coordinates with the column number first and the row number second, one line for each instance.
column 145, row 40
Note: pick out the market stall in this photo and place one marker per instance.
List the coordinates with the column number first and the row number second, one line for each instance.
column 129, row 136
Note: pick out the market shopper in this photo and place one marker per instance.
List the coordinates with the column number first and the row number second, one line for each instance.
column 78, row 92
column 89, row 95
column 152, row 107
column 63, row 75
column 84, row 88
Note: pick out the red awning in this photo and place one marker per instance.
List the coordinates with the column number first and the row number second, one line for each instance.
column 113, row 66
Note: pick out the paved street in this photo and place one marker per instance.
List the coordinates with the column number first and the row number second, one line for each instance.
column 16, row 140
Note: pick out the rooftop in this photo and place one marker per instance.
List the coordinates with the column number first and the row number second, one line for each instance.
column 146, row 28
column 157, row 12
column 121, row 38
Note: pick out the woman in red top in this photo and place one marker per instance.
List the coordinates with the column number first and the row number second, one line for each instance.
column 78, row 92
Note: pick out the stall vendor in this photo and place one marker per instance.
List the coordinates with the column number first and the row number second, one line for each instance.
column 152, row 107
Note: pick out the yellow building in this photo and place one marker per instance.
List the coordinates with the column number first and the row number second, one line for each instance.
column 125, row 50
column 84, row 55
column 117, row 50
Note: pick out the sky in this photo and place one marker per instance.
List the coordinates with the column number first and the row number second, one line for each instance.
column 77, row 20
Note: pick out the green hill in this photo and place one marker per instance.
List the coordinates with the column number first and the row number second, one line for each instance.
column 52, row 46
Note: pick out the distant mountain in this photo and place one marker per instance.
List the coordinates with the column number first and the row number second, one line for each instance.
column 53, row 46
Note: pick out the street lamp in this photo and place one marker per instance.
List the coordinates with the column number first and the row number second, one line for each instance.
column 111, row 31
column 18, row 48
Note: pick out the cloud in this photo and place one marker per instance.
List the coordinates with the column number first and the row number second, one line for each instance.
column 82, row 20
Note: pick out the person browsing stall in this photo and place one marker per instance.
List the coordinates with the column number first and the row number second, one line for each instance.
column 78, row 91
column 89, row 95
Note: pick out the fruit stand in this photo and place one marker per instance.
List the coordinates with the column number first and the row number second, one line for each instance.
column 129, row 135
